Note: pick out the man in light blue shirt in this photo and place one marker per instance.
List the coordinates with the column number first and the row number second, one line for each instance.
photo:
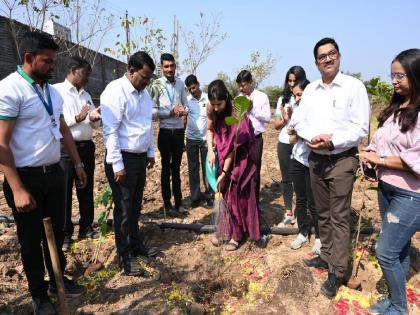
column 170, row 98
column 196, row 141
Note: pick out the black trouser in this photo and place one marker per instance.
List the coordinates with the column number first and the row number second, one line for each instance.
column 171, row 147
column 284, row 151
column 259, row 143
column 304, row 199
column 128, row 197
column 86, row 151
column 48, row 191
column 196, row 154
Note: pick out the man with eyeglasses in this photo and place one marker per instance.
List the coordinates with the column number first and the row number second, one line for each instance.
column 81, row 116
column 127, row 108
column 334, row 118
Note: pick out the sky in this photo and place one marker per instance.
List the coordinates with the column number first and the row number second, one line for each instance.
column 369, row 33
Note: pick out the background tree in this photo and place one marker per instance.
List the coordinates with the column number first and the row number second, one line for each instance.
column 273, row 93
column 201, row 42
column 260, row 67
column 87, row 19
column 143, row 36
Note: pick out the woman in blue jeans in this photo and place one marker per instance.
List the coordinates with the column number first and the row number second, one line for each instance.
column 395, row 150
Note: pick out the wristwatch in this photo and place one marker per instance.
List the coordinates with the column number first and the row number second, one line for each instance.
column 79, row 165
column 331, row 146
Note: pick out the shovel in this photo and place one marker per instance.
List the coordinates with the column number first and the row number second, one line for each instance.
column 64, row 309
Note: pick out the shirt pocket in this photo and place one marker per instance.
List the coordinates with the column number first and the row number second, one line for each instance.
column 340, row 107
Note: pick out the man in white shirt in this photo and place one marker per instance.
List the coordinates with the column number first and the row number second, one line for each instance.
column 170, row 98
column 126, row 109
column 196, row 141
column 80, row 115
column 31, row 129
column 333, row 119
column 259, row 115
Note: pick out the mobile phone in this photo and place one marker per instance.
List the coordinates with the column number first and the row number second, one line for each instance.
column 368, row 172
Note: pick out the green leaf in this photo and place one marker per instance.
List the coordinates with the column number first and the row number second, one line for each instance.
column 231, row 120
column 241, row 104
column 102, row 223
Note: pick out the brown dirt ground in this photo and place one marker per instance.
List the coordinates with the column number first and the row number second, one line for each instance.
column 193, row 277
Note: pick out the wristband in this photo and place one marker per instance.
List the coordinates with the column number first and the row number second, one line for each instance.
column 223, row 171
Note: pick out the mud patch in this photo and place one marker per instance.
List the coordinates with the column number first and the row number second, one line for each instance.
column 295, row 281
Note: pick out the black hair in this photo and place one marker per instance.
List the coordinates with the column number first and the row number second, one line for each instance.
column 300, row 75
column 76, row 62
column 217, row 90
column 325, row 41
column 190, row 80
column 35, row 42
column 407, row 117
column 166, row 57
column 302, row 84
column 244, row 76
column 139, row 59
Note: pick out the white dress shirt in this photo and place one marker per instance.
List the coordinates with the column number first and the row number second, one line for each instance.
column 33, row 142
column 127, row 121
column 74, row 100
column 260, row 113
column 300, row 151
column 197, row 117
column 167, row 97
column 341, row 109
column 283, row 136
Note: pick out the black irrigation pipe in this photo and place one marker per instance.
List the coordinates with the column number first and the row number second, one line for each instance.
column 204, row 228
column 207, row 228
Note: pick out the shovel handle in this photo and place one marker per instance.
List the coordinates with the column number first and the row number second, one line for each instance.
column 64, row 310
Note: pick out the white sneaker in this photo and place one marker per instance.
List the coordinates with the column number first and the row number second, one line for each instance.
column 316, row 249
column 287, row 220
column 299, row 241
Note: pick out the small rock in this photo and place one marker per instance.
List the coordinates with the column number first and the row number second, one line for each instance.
column 197, row 309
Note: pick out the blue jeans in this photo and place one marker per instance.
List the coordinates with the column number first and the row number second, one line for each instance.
column 400, row 212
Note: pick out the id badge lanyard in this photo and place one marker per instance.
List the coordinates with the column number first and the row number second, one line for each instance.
column 171, row 97
column 47, row 103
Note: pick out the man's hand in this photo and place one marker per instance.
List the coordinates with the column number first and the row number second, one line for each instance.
column 83, row 113
column 150, row 162
column 95, row 115
column 320, row 142
column 81, row 177
column 24, row 201
column 119, row 176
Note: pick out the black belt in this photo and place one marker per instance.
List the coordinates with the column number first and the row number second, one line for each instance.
column 350, row 152
column 134, row 153
column 170, row 130
column 43, row 169
column 83, row 143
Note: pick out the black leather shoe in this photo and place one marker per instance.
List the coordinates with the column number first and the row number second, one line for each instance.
column 143, row 250
column 71, row 288
column 330, row 286
column 43, row 306
column 316, row 262
column 195, row 204
column 131, row 267
column 89, row 233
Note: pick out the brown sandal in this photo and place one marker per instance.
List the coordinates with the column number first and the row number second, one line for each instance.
column 231, row 246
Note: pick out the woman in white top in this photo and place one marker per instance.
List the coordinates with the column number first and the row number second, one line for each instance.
column 299, row 167
column 284, row 110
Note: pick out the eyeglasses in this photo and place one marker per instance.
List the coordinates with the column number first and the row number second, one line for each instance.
column 398, row 76
column 333, row 54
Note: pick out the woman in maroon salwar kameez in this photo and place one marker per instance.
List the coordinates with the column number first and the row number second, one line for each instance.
column 236, row 156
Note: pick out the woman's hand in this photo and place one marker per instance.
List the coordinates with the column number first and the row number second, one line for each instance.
column 211, row 157
column 370, row 158
column 221, row 180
